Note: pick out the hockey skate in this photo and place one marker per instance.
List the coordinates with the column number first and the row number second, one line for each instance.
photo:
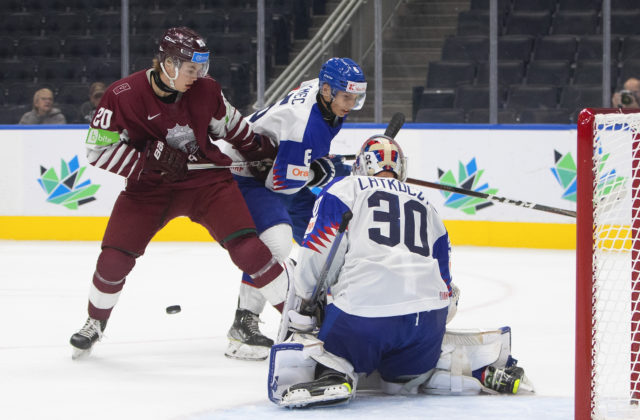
column 246, row 342
column 330, row 389
column 83, row 340
column 505, row 380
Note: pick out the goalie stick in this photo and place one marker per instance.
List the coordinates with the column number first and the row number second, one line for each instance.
column 321, row 287
column 491, row 197
column 319, row 290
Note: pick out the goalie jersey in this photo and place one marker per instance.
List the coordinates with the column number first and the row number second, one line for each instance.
column 295, row 123
column 394, row 257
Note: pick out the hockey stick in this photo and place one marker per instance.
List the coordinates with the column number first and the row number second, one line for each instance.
column 318, row 293
column 321, row 287
column 491, row 197
column 197, row 166
column 395, row 124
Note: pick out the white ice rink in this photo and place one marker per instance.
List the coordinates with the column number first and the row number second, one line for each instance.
column 151, row 365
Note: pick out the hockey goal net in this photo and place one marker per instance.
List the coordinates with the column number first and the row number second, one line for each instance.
column 607, row 377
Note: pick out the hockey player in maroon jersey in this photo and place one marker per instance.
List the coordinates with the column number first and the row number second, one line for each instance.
column 146, row 128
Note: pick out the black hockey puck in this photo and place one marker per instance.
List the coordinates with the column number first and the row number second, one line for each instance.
column 173, row 309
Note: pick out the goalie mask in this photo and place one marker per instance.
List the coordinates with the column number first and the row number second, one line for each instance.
column 183, row 45
column 346, row 75
column 381, row 153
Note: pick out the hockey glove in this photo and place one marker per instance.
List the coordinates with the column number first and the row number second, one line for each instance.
column 342, row 169
column 301, row 323
column 261, row 148
column 261, row 151
column 321, row 172
column 170, row 162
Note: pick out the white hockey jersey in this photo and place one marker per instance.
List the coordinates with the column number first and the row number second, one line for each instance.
column 296, row 124
column 394, row 257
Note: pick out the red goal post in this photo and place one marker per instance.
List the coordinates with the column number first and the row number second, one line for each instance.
column 607, row 354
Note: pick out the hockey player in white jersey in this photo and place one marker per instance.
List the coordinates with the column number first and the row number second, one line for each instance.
column 391, row 291
column 303, row 124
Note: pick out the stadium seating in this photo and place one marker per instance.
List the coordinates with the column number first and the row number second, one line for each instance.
column 61, row 24
column 576, row 97
column 470, row 96
column 549, row 58
column 630, row 48
column 509, row 72
column 579, row 5
column 625, row 22
column 590, row 47
column 539, row 96
column 575, row 22
column 589, row 72
column 515, row 47
column 555, row 72
column 7, row 47
column 17, row 70
column 473, row 47
column 440, row 115
column 533, row 23
column 481, row 116
column 40, row 46
column 555, row 47
column 449, row 74
column 534, row 5
column 545, row 116
column 61, row 70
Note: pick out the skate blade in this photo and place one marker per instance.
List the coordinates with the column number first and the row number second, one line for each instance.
column 239, row 351
column 79, row 354
column 526, row 387
column 300, row 398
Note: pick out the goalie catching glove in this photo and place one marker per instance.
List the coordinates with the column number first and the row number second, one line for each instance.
column 170, row 162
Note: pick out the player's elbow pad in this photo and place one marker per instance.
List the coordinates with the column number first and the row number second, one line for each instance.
column 323, row 172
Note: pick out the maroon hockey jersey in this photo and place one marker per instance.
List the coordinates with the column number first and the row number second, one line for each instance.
column 130, row 116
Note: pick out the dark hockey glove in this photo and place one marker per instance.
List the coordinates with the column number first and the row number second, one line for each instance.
column 261, row 148
column 342, row 169
column 170, row 162
column 261, row 151
column 323, row 172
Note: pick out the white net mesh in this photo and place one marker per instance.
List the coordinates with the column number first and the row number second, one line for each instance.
column 616, row 267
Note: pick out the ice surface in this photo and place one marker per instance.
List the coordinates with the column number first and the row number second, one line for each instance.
column 152, row 365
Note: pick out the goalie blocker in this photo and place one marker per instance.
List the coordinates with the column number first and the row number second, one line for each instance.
column 471, row 362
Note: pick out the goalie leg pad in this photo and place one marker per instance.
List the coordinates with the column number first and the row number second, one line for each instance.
column 294, row 362
column 464, row 351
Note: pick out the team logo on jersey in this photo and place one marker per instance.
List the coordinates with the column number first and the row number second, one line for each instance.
column 121, row 88
column 67, row 189
column 181, row 137
column 469, row 179
column 298, row 173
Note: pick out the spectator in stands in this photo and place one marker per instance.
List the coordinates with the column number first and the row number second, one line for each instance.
column 96, row 90
column 629, row 96
column 43, row 111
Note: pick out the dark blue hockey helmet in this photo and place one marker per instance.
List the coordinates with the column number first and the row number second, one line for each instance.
column 344, row 74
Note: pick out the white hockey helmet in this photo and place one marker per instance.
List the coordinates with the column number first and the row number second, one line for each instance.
column 381, row 153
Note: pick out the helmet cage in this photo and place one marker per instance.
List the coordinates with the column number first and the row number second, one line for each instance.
column 381, row 153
